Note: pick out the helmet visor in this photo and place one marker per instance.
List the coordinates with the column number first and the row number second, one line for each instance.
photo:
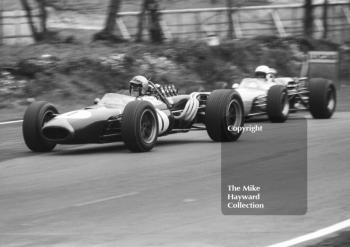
column 135, row 89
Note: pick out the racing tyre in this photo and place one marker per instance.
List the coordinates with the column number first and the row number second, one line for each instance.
column 224, row 115
column 322, row 98
column 139, row 126
column 277, row 106
column 36, row 115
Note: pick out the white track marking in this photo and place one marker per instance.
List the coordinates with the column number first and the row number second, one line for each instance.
column 106, row 199
column 189, row 200
column 314, row 235
column 11, row 122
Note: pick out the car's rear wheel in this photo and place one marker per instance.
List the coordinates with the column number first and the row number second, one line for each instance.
column 322, row 98
column 139, row 126
column 36, row 115
column 224, row 115
column 277, row 106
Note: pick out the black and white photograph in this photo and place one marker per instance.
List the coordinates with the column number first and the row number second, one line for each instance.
column 174, row 123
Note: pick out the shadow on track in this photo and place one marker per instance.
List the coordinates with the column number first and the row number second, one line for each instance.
column 121, row 148
column 10, row 154
column 264, row 119
column 95, row 149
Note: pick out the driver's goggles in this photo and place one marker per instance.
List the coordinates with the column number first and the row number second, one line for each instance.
column 134, row 85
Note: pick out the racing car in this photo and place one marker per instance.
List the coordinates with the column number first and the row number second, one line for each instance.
column 137, row 119
column 277, row 97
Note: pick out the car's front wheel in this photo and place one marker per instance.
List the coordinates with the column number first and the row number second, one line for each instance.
column 36, row 115
column 139, row 126
column 277, row 106
column 322, row 98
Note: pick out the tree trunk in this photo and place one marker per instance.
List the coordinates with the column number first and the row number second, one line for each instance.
column 43, row 16
column 150, row 9
column 308, row 18
column 229, row 19
column 108, row 31
column 113, row 10
column 28, row 10
column 325, row 19
column 155, row 28
column 141, row 19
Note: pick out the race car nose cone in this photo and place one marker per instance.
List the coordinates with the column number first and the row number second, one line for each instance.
column 57, row 129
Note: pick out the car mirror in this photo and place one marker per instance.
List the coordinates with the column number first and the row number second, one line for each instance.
column 235, row 85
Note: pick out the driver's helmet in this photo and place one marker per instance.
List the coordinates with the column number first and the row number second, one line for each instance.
column 262, row 71
column 138, row 84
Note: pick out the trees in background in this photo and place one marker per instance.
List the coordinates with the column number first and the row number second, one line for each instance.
column 155, row 29
column 141, row 20
column 150, row 19
column 308, row 18
column 42, row 15
column 325, row 19
column 150, row 14
column 108, row 32
column 229, row 19
column 42, row 33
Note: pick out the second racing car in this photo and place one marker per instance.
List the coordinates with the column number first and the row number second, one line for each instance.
column 278, row 96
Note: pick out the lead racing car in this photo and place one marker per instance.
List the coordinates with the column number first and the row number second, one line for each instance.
column 277, row 97
column 137, row 119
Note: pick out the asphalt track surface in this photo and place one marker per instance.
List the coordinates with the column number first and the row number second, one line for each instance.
column 103, row 195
